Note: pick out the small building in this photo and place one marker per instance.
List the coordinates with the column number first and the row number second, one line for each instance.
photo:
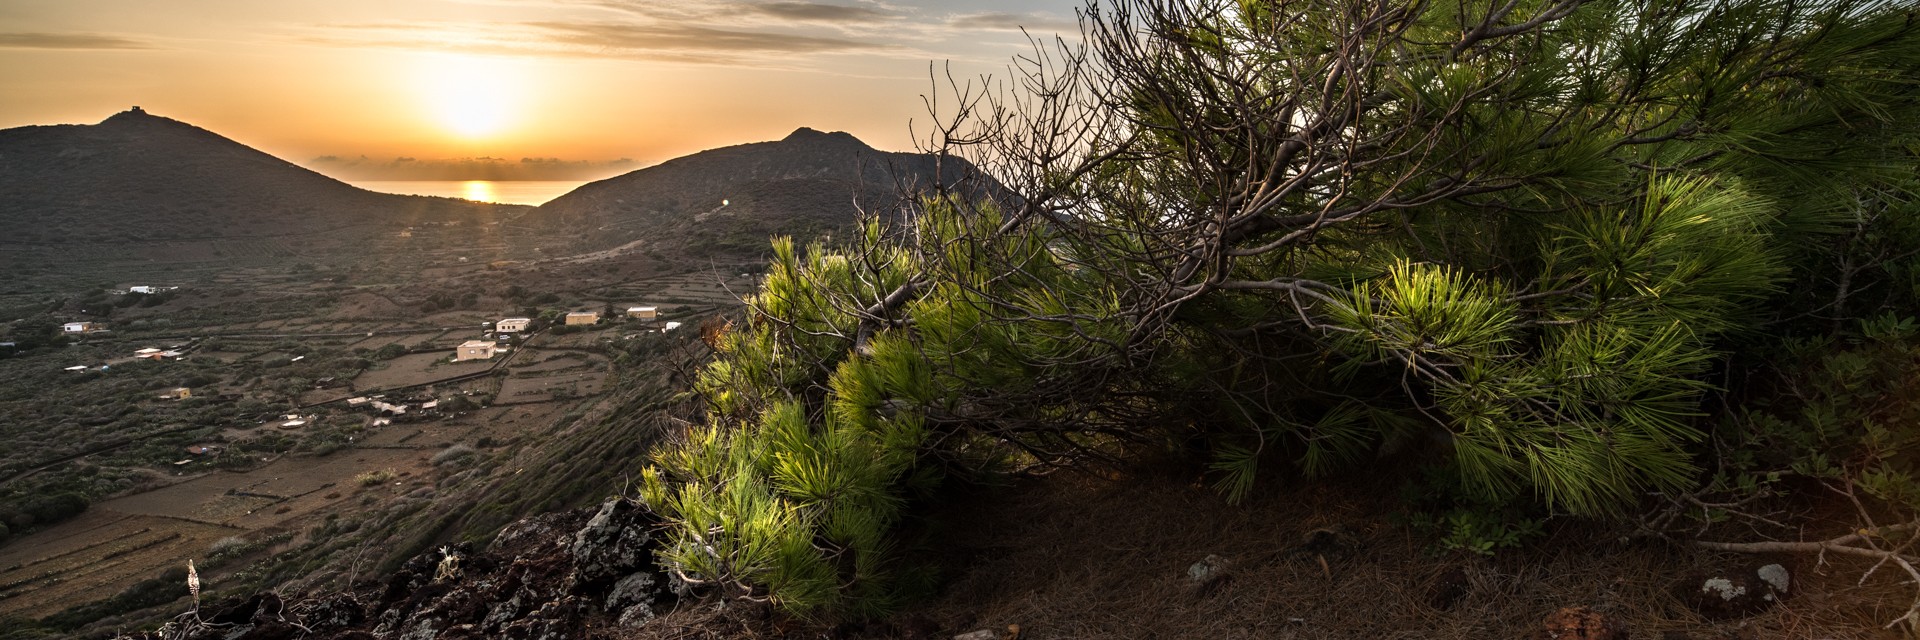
column 643, row 313
column 389, row 408
column 355, row 402
column 512, row 325
column 204, row 449
column 145, row 352
column 473, row 350
column 582, row 317
column 670, row 326
column 77, row 368
column 80, row 327
column 177, row 393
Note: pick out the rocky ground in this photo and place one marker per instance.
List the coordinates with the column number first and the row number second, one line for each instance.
column 1090, row 558
column 577, row 574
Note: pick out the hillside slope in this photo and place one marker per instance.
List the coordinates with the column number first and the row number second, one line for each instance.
column 138, row 184
column 732, row 198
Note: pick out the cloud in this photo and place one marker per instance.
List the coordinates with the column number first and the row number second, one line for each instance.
column 693, row 38
column 816, row 12
column 792, row 34
column 1011, row 22
column 44, row 40
column 483, row 168
column 654, row 40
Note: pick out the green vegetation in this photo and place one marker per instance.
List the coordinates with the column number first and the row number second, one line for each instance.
column 1301, row 236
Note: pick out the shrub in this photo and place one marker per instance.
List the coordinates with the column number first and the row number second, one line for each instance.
column 371, row 478
column 452, row 454
column 1530, row 244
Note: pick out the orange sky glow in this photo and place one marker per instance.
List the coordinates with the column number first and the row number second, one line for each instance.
column 577, row 80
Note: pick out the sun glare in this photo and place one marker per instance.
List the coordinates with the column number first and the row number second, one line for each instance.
column 470, row 96
column 477, row 190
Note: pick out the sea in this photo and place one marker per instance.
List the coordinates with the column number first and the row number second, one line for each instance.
column 533, row 192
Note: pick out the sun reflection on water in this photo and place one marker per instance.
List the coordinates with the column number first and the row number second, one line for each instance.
column 478, row 191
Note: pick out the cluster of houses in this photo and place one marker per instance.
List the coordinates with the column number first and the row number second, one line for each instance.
column 384, row 411
column 505, row 327
column 151, row 353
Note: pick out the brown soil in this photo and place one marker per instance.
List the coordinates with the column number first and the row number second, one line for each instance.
column 1076, row 557
column 99, row 552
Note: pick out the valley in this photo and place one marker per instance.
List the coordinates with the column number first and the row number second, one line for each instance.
column 277, row 398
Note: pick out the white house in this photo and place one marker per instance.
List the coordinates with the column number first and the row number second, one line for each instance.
column 643, row 313
column 473, row 350
column 512, row 325
column 670, row 326
column 79, row 327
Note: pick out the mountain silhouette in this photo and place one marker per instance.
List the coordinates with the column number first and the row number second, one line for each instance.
column 731, row 199
column 140, row 181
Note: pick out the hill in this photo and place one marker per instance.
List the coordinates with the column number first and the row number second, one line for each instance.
column 140, row 188
column 731, row 199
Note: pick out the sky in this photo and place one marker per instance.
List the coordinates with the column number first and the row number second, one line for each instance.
column 623, row 83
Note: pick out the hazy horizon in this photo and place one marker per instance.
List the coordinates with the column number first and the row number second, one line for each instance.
column 583, row 81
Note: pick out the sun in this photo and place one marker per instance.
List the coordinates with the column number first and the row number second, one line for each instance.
column 470, row 96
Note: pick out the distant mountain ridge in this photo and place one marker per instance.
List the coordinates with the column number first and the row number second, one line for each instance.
column 731, row 199
column 140, row 189
column 137, row 179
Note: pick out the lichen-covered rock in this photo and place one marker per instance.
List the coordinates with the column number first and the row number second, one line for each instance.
column 637, row 589
column 1735, row 592
column 636, row 616
column 616, row 542
column 1207, row 570
column 1206, row 576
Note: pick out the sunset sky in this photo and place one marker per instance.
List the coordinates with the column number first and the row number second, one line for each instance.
column 578, row 80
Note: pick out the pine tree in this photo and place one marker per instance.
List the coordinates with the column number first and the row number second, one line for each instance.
column 1298, row 233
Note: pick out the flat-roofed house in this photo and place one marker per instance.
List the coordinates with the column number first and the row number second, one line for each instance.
column 79, row 327
column 643, row 313
column 473, row 350
column 582, row 317
column 512, row 325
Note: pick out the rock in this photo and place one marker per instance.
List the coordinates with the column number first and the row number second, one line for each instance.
column 637, row 589
column 1736, row 592
column 636, row 616
column 1778, row 577
column 1207, row 575
column 614, row 543
column 335, row 612
column 1581, row 623
column 1208, row 570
